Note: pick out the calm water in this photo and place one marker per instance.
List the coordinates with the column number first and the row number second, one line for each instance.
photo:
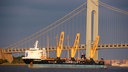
column 26, row 69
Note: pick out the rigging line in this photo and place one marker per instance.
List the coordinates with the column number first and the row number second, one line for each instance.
column 49, row 25
column 113, row 8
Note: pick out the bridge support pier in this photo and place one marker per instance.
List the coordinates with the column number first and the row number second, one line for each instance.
column 91, row 26
column 7, row 56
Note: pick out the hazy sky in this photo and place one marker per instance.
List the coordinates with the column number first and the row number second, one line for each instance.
column 21, row 18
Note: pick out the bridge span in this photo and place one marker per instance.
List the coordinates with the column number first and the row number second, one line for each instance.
column 81, row 47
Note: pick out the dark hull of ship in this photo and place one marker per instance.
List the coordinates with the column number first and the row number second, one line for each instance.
column 39, row 61
column 49, row 64
column 35, row 61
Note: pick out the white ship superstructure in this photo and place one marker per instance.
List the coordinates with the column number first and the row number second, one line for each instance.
column 35, row 53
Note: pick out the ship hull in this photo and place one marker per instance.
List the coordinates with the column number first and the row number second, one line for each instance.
column 81, row 66
column 35, row 61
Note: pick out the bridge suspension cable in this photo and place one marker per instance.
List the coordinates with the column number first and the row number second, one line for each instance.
column 61, row 21
column 50, row 27
column 113, row 8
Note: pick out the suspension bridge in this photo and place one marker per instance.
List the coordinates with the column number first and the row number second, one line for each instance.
column 90, row 19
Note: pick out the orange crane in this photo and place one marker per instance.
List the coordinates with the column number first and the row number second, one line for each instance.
column 60, row 45
column 75, row 46
column 94, row 48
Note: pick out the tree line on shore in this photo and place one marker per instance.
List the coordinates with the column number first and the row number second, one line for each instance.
column 16, row 60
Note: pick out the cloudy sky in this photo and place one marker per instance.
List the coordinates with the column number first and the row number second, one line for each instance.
column 21, row 18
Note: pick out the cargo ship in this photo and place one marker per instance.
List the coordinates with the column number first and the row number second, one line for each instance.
column 38, row 58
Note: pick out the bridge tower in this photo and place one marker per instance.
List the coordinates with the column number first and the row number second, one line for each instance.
column 91, row 26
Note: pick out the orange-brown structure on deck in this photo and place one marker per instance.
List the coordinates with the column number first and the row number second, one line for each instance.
column 7, row 56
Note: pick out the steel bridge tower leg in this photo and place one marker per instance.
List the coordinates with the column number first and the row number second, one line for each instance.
column 91, row 26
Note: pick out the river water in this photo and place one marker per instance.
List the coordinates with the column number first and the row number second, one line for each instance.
column 25, row 68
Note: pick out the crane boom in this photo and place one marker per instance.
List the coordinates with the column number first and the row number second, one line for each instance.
column 94, row 48
column 75, row 46
column 60, row 45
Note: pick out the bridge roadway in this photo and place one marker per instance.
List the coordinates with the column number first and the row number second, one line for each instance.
column 82, row 46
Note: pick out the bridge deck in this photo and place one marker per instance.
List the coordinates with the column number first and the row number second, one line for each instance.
column 81, row 47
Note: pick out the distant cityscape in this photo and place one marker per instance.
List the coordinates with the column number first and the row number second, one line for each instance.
column 117, row 62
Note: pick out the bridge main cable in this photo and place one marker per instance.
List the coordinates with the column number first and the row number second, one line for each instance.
column 50, row 27
column 113, row 8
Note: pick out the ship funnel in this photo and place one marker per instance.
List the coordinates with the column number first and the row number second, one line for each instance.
column 36, row 44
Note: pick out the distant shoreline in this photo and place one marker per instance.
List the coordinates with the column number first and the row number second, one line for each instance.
column 13, row 64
